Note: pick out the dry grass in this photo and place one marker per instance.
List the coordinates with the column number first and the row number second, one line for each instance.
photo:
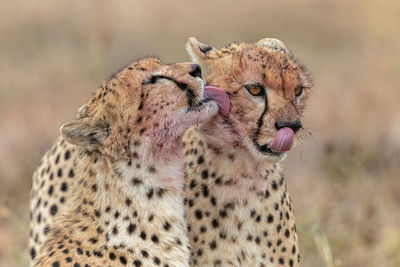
column 344, row 179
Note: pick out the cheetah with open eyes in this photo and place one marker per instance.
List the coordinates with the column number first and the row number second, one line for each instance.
column 238, row 208
column 234, row 66
column 127, row 204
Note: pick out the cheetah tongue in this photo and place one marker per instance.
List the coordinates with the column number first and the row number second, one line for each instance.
column 219, row 96
column 283, row 140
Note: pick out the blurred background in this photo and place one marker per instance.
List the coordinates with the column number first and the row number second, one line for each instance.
column 344, row 180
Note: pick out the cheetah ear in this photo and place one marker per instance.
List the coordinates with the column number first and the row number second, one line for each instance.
column 83, row 111
column 84, row 132
column 200, row 53
column 274, row 44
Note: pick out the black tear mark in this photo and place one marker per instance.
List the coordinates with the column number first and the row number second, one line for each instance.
column 260, row 122
column 191, row 96
column 206, row 49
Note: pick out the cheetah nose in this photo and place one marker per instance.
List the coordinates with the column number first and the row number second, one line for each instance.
column 196, row 71
column 295, row 126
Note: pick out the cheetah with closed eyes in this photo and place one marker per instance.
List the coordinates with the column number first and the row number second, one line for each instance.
column 261, row 88
column 127, row 205
column 238, row 208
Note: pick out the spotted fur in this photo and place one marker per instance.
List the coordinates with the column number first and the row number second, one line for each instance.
column 226, row 175
column 238, row 208
column 126, row 207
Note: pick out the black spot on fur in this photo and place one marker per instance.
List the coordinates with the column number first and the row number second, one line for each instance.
column 199, row 214
column 64, row 187
column 145, row 253
column 167, row 226
column 200, row 160
column 143, row 235
column 154, row 238
column 150, row 193
column 122, row 259
column 131, row 228
column 67, row 155
column 33, row 253
column 53, row 209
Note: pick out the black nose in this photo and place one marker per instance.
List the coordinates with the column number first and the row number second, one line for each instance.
column 196, row 71
column 295, row 126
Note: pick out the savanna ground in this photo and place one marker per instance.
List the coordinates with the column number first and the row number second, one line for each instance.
column 344, row 179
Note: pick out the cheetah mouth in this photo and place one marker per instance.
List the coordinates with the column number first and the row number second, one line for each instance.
column 281, row 143
column 219, row 96
column 213, row 94
column 266, row 149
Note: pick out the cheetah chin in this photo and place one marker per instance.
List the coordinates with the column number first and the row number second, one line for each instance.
column 277, row 148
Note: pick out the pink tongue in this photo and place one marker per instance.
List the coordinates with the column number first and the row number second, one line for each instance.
column 283, row 140
column 219, row 96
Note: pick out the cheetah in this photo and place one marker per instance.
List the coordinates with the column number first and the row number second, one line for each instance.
column 237, row 204
column 235, row 69
column 127, row 205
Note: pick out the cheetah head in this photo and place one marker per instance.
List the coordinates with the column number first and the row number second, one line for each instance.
column 268, row 90
column 147, row 105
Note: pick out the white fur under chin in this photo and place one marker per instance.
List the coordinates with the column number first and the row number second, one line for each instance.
column 266, row 157
column 220, row 134
column 163, row 145
column 168, row 136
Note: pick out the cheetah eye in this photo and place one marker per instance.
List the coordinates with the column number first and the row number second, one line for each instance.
column 298, row 91
column 152, row 79
column 255, row 89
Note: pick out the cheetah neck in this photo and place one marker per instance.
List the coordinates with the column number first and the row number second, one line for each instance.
column 232, row 199
column 220, row 134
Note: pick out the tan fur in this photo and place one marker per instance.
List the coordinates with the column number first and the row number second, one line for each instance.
column 229, row 68
column 126, row 207
column 237, row 204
